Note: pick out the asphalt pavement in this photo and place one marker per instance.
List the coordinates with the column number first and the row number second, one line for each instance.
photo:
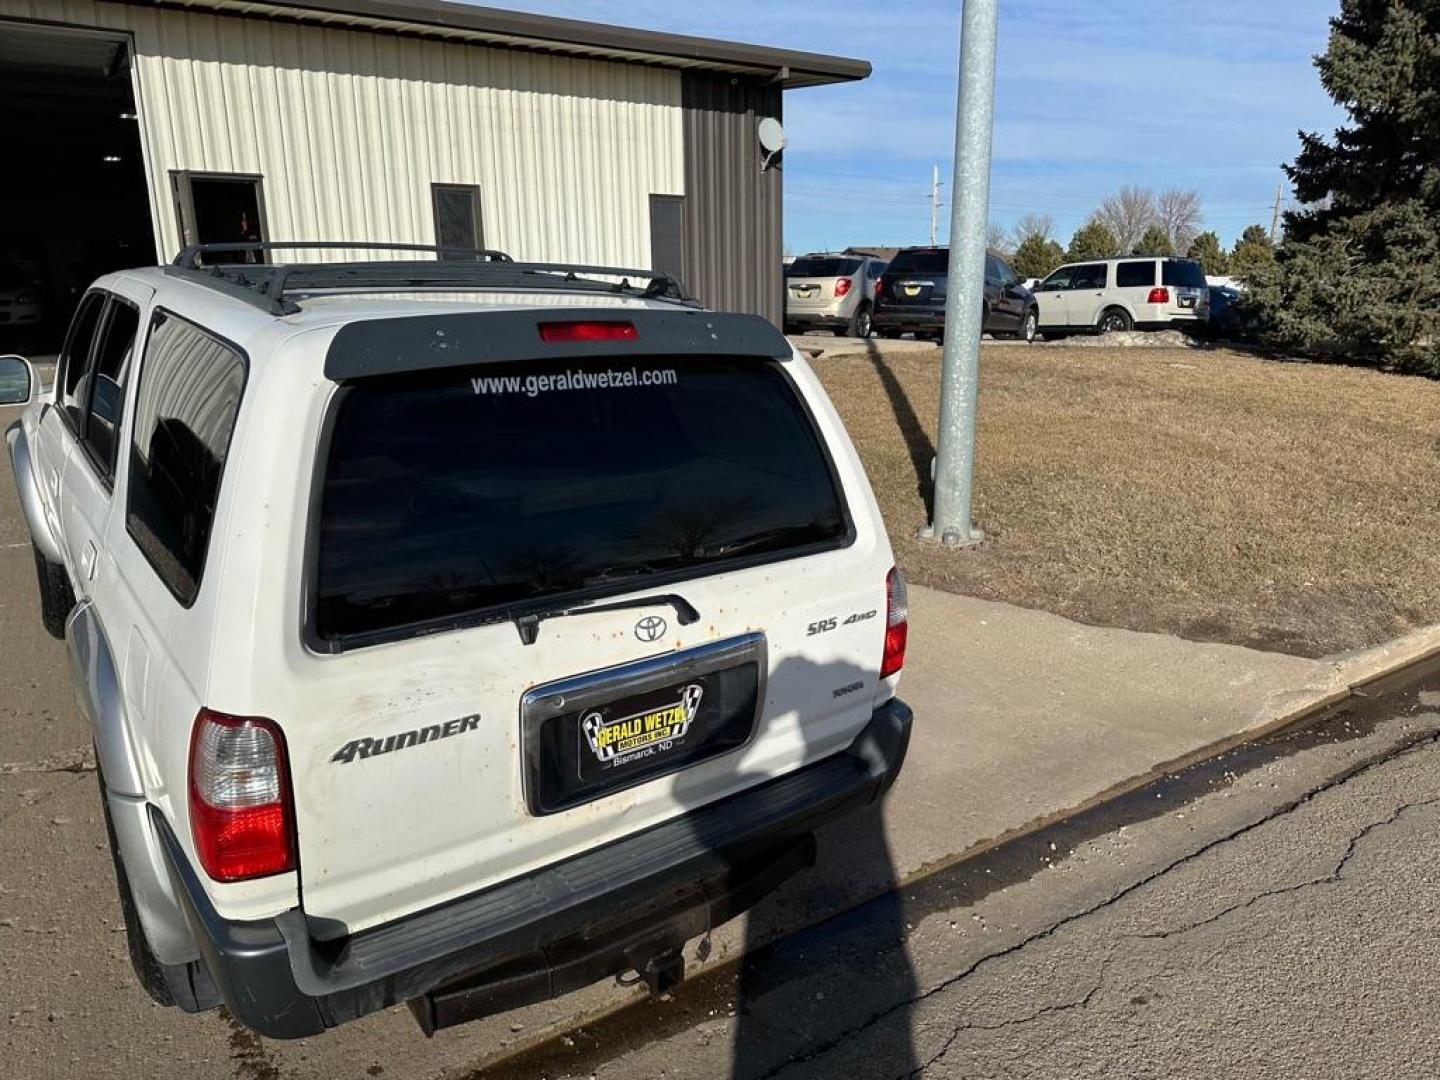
column 1271, row 913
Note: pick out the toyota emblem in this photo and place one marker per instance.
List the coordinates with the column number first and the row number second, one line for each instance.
column 650, row 628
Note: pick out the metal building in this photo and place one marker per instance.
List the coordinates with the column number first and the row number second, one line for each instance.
column 133, row 127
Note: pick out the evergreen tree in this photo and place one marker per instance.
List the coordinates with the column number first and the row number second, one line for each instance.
column 1154, row 241
column 1358, row 273
column 1254, row 255
column 1206, row 250
column 1037, row 256
column 1094, row 240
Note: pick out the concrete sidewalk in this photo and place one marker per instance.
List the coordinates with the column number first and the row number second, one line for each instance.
column 1020, row 716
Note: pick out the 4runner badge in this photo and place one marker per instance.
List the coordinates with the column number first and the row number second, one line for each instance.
column 364, row 748
column 653, row 728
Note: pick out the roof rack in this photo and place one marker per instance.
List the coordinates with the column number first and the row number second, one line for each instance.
column 272, row 286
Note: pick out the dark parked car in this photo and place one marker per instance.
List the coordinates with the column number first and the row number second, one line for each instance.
column 1226, row 317
column 910, row 295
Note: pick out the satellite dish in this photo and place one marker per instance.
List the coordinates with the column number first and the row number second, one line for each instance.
column 772, row 135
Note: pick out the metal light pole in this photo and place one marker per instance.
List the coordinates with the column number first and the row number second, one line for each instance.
column 950, row 522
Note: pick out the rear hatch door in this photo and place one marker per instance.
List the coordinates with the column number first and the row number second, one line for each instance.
column 810, row 282
column 549, row 611
column 917, row 279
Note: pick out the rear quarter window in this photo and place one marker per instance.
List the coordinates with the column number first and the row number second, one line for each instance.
column 190, row 388
column 1132, row 275
column 449, row 497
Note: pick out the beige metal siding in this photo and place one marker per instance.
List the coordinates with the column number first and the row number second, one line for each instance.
column 349, row 129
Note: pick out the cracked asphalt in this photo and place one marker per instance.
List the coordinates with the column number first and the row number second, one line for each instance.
column 1274, row 914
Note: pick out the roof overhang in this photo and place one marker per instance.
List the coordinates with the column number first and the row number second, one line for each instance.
column 545, row 33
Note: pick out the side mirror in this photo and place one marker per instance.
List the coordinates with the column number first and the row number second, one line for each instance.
column 17, row 381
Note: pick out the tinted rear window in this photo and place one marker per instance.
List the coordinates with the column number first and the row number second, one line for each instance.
column 809, row 267
column 451, row 496
column 927, row 261
column 1180, row 272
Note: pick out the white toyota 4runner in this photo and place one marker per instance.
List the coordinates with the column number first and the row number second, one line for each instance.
column 456, row 633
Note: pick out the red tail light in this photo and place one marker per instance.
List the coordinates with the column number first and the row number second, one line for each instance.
column 555, row 332
column 897, row 623
column 842, row 286
column 240, row 806
column 1159, row 296
column 879, row 287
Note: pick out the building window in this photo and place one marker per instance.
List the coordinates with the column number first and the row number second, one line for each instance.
column 667, row 243
column 457, row 217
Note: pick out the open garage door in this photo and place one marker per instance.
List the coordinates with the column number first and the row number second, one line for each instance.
column 73, row 197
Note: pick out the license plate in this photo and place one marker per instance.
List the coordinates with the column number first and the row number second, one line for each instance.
column 912, row 290
column 604, row 742
column 1187, row 301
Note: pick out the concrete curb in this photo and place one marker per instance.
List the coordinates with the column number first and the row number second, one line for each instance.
column 1350, row 675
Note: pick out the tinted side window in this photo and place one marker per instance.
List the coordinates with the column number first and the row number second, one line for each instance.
column 992, row 271
column 73, row 385
column 1089, row 276
column 1130, row 275
column 875, row 269
column 1007, row 273
column 107, row 394
column 190, row 386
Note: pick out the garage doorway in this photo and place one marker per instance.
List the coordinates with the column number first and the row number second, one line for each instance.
column 73, row 197
column 221, row 208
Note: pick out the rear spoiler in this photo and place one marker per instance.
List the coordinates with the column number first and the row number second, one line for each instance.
column 412, row 343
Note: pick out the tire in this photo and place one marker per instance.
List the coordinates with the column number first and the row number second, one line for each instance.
column 1029, row 327
column 860, row 326
column 148, row 970
column 1114, row 321
column 57, row 599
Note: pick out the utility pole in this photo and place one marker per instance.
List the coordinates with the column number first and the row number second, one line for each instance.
column 935, row 208
column 1275, row 221
column 950, row 522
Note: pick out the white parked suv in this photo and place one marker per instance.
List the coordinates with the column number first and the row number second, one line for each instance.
column 457, row 633
column 1139, row 293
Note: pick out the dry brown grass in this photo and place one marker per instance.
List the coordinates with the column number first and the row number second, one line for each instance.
column 1201, row 493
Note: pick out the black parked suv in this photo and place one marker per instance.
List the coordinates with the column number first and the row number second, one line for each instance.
column 910, row 295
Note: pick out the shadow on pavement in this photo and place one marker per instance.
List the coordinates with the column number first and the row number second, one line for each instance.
column 781, row 1020
column 917, row 439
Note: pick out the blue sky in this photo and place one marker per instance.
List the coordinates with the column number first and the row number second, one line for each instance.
column 1090, row 95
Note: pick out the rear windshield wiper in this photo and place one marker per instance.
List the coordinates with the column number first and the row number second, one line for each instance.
column 528, row 623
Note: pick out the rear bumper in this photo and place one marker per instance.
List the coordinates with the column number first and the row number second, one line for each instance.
column 669, row 879
column 892, row 318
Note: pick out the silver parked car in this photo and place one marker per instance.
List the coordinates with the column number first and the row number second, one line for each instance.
column 831, row 292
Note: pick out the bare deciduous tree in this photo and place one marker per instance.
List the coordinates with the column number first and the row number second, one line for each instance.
column 1033, row 224
column 1180, row 216
column 1127, row 214
column 996, row 238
